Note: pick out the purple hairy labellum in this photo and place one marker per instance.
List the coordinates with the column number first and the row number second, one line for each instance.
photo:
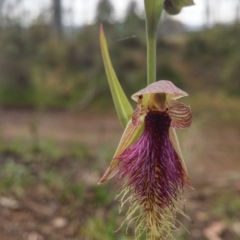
column 151, row 166
column 149, row 161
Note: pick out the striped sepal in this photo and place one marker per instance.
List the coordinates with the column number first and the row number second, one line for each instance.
column 180, row 114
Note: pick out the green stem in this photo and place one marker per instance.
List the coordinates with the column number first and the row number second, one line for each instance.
column 153, row 10
column 151, row 58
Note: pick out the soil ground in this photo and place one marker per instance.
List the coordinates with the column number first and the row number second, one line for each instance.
column 48, row 190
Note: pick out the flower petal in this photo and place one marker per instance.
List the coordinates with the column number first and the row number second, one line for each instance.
column 162, row 86
column 130, row 135
column 136, row 116
column 139, row 113
column 180, row 114
column 174, row 140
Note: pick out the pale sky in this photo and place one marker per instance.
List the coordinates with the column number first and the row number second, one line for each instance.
column 83, row 11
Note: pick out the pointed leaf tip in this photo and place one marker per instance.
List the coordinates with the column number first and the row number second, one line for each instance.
column 122, row 105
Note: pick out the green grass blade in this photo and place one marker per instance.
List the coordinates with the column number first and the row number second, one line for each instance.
column 122, row 104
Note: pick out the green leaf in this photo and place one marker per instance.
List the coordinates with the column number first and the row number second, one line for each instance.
column 122, row 105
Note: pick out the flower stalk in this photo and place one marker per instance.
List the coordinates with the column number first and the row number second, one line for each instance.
column 153, row 10
column 151, row 59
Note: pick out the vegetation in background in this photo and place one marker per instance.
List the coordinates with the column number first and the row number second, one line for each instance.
column 40, row 70
column 48, row 191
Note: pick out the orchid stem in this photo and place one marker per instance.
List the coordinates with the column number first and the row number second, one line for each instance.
column 151, row 58
column 153, row 10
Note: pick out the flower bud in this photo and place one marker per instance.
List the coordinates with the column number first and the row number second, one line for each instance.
column 174, row 7
column 170, row 8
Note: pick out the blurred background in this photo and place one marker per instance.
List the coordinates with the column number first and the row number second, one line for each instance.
column 59, row 129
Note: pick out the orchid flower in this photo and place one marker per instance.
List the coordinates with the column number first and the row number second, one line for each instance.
column 149, row 160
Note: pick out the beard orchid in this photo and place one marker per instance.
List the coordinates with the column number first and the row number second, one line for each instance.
column 149, row 161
